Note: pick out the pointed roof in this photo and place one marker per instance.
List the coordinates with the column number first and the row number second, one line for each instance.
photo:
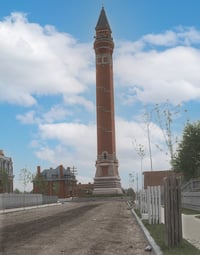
column 102, row 21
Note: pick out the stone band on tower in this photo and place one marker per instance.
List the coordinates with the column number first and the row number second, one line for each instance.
column 107, row 180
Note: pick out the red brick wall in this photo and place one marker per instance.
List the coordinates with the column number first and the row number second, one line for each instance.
column 155, row 178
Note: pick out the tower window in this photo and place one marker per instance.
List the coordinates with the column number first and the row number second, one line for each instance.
column 105, row 155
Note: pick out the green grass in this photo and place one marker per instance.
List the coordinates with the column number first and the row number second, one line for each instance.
column 137, row 211
column 157, row 232
column 189, row 211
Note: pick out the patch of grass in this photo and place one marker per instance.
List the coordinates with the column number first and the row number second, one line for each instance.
column 157, row 232
column 189, row 211
column 198, row 216
column 137, row 211
column 184, row 249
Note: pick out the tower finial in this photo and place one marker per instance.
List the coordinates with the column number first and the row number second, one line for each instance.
column 103, row 21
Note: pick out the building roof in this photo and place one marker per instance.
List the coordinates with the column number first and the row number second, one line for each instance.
column 51, row 173
column 102, row 22
column 2, row 156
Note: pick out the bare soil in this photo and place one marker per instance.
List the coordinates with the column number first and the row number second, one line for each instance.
column 73, row 228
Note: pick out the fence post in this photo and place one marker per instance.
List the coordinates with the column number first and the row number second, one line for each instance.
column 172, row 203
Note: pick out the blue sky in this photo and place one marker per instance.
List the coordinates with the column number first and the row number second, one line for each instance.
column 47, row 80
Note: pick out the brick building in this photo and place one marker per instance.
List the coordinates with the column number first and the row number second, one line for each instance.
column 59, row 182
column 85, row 189
column 155, row 178
column 6, row 173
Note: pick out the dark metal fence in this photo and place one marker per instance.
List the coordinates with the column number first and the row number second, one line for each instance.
column 191, row 200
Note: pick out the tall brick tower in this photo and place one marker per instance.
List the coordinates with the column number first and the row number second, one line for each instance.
column 107, row 179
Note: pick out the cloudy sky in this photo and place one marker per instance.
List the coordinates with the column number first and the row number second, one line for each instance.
column 47, row 81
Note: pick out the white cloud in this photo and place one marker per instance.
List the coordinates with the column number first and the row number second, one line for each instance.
column 69, row 133
column 39, row 60
column 76, row 145
column 76, row 142
column 169, row 38
column 28, row 118
column 188, row 35
column 76, row 100
column 156, row 75
column 129, row 159
column 56, row 113
column 180, row 36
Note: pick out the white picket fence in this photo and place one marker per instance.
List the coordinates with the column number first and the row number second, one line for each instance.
column 150, row 204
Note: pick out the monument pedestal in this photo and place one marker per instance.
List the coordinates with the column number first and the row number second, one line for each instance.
column 107, row 180
column 107, row 185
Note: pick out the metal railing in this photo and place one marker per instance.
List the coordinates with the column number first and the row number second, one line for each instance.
column 192, row 185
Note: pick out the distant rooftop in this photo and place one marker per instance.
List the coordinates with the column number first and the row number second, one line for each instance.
column 51, row 173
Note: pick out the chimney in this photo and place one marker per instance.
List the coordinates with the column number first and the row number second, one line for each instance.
column 61, row 172
column 38, row 170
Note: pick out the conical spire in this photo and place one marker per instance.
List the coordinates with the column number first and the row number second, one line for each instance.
column 102, row 21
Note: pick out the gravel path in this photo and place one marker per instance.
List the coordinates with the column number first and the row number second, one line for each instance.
column 84, row 228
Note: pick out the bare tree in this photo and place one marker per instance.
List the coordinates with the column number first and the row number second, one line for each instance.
column 26, row 177
column 139, row 148
column 166, row 115
column 40, row 184
column 148, row 118
column 131, row 180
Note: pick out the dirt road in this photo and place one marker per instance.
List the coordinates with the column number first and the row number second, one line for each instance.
column 84, row 228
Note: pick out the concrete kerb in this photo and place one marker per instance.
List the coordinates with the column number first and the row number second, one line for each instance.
column 27, row 208
column 151, row 241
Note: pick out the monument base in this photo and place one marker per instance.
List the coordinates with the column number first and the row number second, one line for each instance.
column 107, row 185
column 108, row 191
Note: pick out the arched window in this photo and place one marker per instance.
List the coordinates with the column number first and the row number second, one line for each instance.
column 105, row 155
